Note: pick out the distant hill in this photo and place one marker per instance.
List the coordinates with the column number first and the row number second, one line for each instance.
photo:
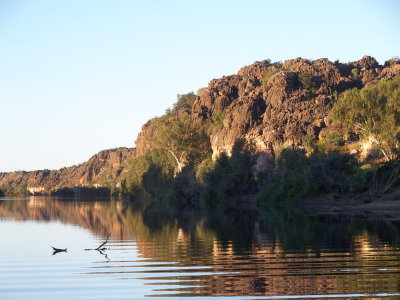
column 102, row 169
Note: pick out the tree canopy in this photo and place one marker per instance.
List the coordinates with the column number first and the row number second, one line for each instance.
column 375, row 111
column 183, row 140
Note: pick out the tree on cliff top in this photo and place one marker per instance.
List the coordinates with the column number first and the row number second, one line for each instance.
column 185, row 101
column 376, row 112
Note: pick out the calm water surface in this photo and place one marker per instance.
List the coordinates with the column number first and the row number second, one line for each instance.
column 149, row 255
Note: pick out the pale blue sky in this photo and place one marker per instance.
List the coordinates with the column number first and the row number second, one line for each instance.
column 80, row 76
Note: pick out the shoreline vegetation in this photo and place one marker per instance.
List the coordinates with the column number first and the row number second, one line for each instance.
column 351, row 166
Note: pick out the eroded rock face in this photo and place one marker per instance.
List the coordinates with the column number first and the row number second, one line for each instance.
column 107, row 166
column 267, row 104
column 145, row 138
column 264, row 103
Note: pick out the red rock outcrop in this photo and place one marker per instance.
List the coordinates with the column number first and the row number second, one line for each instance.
column 105, row 167
column 267, row 103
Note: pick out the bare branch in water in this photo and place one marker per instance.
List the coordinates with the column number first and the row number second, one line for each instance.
column 100, row 248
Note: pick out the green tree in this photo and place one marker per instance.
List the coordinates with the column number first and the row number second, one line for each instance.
column 393, row 61
column 157, row 161
column 185, row 101
column 355, row 74
column 186, row 142
column 289, row 180
column 309, row 142
column 267, row 74
column 375, row 111
column 308, row 81
column 331, row 139
column 12, row 189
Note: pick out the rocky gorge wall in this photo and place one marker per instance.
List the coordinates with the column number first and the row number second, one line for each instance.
column 268, row 104
column 103, row 168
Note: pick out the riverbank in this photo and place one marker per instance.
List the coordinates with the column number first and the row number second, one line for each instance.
column 361, row 205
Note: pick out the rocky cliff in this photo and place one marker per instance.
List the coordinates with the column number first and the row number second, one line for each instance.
column 269, row 104
column 275, row 104
column 101, row 169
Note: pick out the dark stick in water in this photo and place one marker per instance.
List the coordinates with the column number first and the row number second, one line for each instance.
column 57, row 250
column 100, row 248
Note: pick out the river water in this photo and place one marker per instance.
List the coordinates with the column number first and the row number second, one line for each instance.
column 151, row 255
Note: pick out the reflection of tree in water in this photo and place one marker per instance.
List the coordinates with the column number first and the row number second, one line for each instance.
column 278, row 255
column 296, row 231
column 292, row 229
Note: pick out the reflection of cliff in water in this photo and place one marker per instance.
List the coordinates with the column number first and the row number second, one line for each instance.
column 277, row 257
column 290, row 230
column 101, row 217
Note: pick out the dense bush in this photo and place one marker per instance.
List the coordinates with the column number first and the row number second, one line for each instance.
column 393, row 61
column 88, row 191
column 217, row 122
column 355, row 74
column 331, row 172
column 309, row 143
column 266, row 75
column 298, row 177
column 308, row 81
column 387, row 176
column 185, row 101
column 202, row 169
column 290, row 178
column 138, row 179
column 331, row 139
column 155, row 181
column 295, row 188
column 185, row 191
column 230, row 176
column 11, row 189
column 65, row 192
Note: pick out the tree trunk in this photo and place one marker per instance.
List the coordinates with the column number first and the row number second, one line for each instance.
column 176, row 159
